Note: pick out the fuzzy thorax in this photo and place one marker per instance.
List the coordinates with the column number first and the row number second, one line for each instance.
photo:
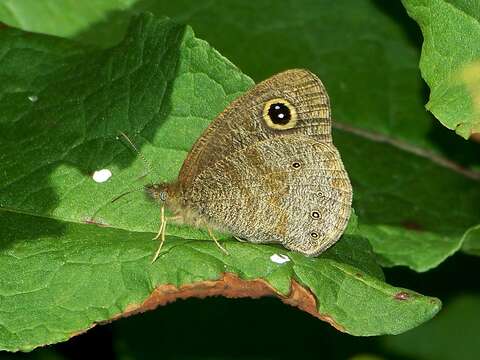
column 170, row 195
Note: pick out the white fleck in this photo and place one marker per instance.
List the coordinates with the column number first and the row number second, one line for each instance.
column 277, row 107
column 101, row 176
column 279, row 259
column 281, row 116
column 33, row 98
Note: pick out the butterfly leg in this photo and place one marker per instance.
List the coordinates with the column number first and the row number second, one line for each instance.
column 239, row 239
column 162, row 221
column 216, row 241
column 161, row 233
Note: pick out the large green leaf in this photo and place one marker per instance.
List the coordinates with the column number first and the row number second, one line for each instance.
column 450, row 60
column 65, row 277
column 61, row 109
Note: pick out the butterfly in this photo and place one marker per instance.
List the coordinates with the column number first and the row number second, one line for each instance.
column 265, row 170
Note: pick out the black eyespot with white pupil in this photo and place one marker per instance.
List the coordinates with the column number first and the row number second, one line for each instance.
column 314, row 235
column 279, row 113
column 315, row 214
column 296, row 165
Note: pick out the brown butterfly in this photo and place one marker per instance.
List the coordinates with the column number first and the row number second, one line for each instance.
column 266, row 170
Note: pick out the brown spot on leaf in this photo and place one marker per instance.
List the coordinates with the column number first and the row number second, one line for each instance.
column 95, row 222
column 229, row 286
column 412, row 225
column 402, row 295
column 359, row 275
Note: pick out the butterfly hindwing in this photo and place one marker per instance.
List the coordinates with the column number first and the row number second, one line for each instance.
column 292, row 190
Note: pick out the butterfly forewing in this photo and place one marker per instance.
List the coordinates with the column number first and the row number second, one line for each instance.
column 240, row 125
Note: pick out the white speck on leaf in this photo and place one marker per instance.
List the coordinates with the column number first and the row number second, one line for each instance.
column 101, row 176
column 279, row 259
column 33, row 98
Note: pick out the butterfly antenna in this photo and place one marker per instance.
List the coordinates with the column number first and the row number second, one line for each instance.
column 148, row 166
column 126, row 193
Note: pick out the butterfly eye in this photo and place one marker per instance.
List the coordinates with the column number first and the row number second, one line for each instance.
column 163, row 196
column 279, row 114
column 315, row 214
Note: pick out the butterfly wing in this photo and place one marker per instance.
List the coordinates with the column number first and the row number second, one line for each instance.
column 242, row 123
column 291, row 189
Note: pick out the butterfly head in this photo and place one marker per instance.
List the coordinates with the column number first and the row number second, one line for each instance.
column 158, row 192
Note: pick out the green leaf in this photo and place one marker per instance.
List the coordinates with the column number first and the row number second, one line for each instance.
column 377, row 99
column 65, row 277
column 452, row 335
column 62, row 18
column 450, row 61
column 61, row 109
